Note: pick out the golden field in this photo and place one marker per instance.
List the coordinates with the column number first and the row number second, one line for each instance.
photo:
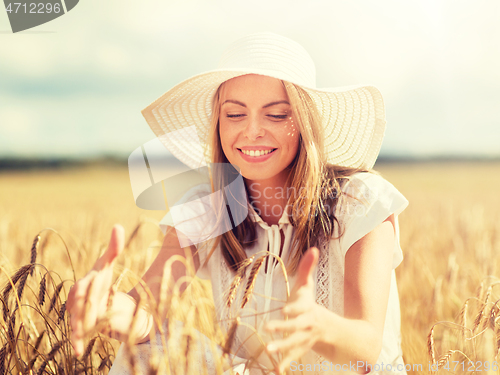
column 450, row 236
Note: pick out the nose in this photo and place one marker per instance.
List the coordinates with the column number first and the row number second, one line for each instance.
column 253, row 129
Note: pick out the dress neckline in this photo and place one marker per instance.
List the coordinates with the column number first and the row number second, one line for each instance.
column 257, row 219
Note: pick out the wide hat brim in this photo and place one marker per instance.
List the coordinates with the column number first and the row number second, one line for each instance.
column 353, row 119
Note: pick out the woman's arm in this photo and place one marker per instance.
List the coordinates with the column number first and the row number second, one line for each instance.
column 153, row 275
column 367, row 278
column 358, row 335
column 88, row 300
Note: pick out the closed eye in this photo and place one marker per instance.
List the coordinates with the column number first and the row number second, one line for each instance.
column 235, row 116
column 278, row 117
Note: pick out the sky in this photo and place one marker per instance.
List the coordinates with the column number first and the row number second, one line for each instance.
column 74, row 87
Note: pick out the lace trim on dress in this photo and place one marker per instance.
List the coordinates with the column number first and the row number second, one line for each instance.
column 323, row 295
column 322, row 279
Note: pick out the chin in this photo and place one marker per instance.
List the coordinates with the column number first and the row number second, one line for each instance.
column 251, row 176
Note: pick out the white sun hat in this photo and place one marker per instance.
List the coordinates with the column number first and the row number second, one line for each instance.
column 353, row 118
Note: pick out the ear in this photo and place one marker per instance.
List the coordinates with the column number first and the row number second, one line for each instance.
column 306, row 267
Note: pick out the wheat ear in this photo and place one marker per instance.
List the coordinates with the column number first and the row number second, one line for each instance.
column 3, row 356
column 88, row 349
column 103, row 364
column 230, row 336
column 55, row 296
column 252, row 279
column 8, row 287
column 50, row 357
column 445, row 358
column 34, row 251
column 237, row 280
column 430, row 345
column 479, row 321
column 43, row 290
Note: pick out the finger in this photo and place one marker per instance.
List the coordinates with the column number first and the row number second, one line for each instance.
column 288, row 326
column 87, row 310
column 279, row 326
column 70, row 299
column 295, row 340
column 77, row 311
column 292, row 355
column 306, row 267
column 117, row 241
column 77, row 293
column 302, row 305
column 76, row 323
column 90, row 307
column 97, row 297
column 77, row 338
column 82, row 291
column 293, row 349
column 115, row 247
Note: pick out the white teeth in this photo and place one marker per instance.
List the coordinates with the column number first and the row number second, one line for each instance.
column 256, row 153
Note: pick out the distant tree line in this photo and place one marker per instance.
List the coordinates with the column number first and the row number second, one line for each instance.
column 58, row 163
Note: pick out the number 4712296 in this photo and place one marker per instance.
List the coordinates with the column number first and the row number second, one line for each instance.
column 33, row 8
column 470, row 366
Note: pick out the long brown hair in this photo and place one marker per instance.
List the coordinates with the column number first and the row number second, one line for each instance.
column 316, row 185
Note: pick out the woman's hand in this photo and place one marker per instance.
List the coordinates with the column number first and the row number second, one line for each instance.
column 302, row 311
column 88, row 298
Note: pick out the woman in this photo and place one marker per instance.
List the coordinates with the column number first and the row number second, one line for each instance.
column 305, row 156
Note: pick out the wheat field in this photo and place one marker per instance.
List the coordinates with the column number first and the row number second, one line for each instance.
column 450, row 236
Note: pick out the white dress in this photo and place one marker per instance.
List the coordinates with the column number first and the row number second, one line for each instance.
column 376, row 200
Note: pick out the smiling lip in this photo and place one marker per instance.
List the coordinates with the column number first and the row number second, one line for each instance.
column 256, row 148
column 256, row 159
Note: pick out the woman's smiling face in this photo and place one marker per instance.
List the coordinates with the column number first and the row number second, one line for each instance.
column 256, row 127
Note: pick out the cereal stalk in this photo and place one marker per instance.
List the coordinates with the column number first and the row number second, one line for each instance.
column 237, row 280
column 252, row 279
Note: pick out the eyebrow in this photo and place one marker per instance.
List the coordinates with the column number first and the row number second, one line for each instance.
column 265, row 106
column 275, row 103
column 235, row 102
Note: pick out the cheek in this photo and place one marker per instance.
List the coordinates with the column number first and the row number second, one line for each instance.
column 226, row 138
column 291, row 135
column 291, row 130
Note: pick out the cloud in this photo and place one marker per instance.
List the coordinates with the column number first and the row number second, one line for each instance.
column 17, row 122
column 71, row 126
column 436, row 64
